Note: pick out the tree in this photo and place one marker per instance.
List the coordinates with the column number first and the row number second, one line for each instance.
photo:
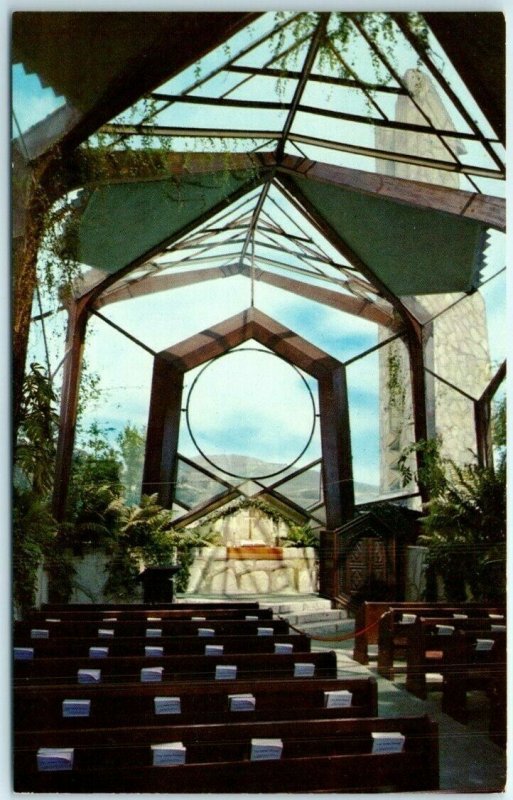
column 131, row 443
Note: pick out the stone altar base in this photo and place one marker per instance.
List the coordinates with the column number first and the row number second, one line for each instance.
column 244, row 570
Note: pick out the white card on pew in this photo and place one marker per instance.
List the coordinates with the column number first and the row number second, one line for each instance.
column 460, row 616
column 110, row 619
column 387, row 742
column 206, row 632
column 265, row 631
column 23, row 653
column 498, row 628
column 151, row 650
column 408, row 619
column 445, row 630
column 496, row 616
column 341, row 698
column 283, row 647
column 54, row 759
column 151, row 674
column 226, row 672
column 39, row 633
column 167, row 705
column 105, row 633
column 153, row 633
column 214, row 649
column 76, row 708
column 302, row 670
column 251, row 618
column 89, row 675
column 153, row 619
column 198, row 619
column 51, row 619
column 168, row 754
column 484, row 644
column 242, row 702
column 266, row 749
column 98, row 652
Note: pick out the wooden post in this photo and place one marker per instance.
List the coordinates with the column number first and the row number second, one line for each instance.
column 337, row 475
column 77, row 324
column 161, row 457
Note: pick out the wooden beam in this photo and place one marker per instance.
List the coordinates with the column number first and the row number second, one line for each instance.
column 94, row 294
column 483, row 418
column 489, row 210
column 250, row 324
column 349, row 305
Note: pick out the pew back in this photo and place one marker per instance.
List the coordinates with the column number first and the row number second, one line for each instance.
column 326, row 755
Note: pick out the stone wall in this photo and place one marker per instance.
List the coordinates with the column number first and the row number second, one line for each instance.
column 214, row 573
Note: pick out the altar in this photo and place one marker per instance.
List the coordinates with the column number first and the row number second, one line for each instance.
column 253, row 569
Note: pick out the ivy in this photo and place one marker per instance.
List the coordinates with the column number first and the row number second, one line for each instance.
column 395, row 381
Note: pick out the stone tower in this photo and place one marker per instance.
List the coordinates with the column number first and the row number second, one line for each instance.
column 457, row 338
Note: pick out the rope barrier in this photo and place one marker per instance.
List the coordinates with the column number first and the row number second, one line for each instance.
column 335, row 638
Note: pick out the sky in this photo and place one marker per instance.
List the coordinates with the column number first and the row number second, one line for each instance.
column 161, row 322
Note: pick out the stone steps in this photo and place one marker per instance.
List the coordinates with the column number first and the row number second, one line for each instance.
column 313, row 616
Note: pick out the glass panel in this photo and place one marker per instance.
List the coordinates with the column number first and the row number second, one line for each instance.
column 381, row 418
column 396, row 423
column 124, row 382
column 499, row 425
column 31, row 103
column 193, row 486
column 250, row 413
column 455, row 424
column 494, row 294
column 363, row 390
column 305, row 489
column 460, row 345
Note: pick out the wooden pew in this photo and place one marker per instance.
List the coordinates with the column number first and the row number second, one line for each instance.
column 322, row 756
column 135, row 613
column 430, row 651
column 123, row 669
column 369, row 612
column 485, row 670
column 393, row 632
column 56, row 608
column 132, row 705
column 130, row 627
column 172, row 645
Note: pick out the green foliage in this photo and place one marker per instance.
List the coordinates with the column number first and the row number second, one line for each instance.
column 395, row 381
column 94, row 485
column 499, row 429
column 432, row 471
column 465, row 525
column 131, row 442
column 33, row 529
column 34, row 453
column 145, row 537
column 301, row 536
column 35, row 533
column 340, row 34
column 248, row 502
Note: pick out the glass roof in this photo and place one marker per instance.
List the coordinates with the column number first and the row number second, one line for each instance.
column 343, row 89
column 348, row 91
